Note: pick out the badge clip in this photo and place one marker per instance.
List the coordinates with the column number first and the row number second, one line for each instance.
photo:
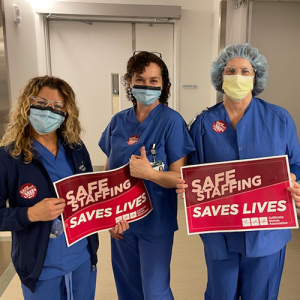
column 153, row 151
column 82, row 167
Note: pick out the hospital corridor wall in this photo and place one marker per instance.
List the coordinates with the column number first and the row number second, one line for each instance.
column 275, row 31
column 87, row 56
column 197, row 46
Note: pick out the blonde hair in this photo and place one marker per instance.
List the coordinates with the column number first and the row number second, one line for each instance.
column 19, row 133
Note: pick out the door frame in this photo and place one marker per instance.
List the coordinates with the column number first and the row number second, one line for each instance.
column 44, row 15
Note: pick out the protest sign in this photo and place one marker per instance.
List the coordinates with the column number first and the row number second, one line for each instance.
column 239, row 195
column 97, row 201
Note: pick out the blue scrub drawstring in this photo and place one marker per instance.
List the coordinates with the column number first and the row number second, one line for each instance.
column 68, row 282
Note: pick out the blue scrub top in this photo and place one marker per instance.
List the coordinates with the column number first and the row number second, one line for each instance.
column 125, row 136
column 60, row 259
column 264, row 130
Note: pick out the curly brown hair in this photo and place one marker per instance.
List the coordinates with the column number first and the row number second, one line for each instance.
column 137, row 64
column 19, row 133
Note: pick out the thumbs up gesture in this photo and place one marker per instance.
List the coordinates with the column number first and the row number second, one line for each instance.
column 140, row 166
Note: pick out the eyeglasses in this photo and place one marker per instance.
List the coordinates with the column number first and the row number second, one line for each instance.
column 44, row 102
column 245, row 71
column 155, row 53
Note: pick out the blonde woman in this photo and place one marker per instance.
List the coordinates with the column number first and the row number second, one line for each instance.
column 41, row 145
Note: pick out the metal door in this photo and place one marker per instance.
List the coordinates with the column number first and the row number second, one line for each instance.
column 87, row 56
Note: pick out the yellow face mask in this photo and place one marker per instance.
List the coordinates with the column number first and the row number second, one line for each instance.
column 237, row 87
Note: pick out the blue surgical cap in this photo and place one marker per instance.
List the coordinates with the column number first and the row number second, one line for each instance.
column 248, row 52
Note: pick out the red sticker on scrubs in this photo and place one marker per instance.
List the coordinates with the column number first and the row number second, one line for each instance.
column 133, row 140
column 28, row 191
column 219, row 126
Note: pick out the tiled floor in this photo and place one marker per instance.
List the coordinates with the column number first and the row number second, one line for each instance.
column 188, row 276
column 5, row 260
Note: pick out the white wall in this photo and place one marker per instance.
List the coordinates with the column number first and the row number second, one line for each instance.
column 276, row 32
column 198, row 46
column 229, row 16
column 215, row 46
column 21, row 47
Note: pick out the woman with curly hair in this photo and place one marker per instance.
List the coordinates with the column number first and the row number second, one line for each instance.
column 155, row 139
column 42, row 145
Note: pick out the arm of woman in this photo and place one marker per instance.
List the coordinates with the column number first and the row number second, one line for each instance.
column 117, row 231
column 140, row 167
column 18, row 217
column 106, row 165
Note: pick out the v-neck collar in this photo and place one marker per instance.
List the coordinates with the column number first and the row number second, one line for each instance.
column 140, row 127
column 42, row 150
column 244, row 118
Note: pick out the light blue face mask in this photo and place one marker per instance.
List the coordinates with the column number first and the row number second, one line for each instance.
column 45, row 121
column 145, row 94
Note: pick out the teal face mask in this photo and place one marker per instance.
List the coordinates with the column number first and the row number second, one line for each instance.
column 45, row 120
column 145, row 94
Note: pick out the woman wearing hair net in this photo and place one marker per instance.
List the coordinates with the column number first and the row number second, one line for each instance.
column 244, row 264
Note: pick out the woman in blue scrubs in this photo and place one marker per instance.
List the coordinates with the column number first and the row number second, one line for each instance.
column 244, row 264
column 155, row 140
column 42, row 145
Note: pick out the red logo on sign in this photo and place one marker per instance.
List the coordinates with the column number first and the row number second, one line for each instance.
column 28, row 191
column 219, row 126
column 133, row 140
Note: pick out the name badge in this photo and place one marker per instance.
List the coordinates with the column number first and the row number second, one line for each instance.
column 158, row 165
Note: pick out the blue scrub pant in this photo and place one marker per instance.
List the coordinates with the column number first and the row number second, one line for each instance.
column 79, row 284
column 246, row 277
column 141, row 265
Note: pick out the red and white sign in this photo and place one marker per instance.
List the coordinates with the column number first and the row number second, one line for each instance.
column 239, row 195
column 97, row 201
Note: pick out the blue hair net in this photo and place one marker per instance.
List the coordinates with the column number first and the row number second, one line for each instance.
column 248, row 52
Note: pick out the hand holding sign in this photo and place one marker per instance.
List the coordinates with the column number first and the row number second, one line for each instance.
column 295, row 192
column 46, row 210
column 117, row 231
column 181, row 187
